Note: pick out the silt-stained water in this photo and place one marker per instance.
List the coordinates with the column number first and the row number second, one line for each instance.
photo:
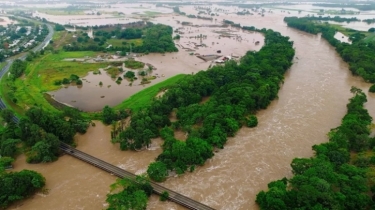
column 311, row 101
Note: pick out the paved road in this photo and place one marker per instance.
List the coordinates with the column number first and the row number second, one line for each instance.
column 5, row 69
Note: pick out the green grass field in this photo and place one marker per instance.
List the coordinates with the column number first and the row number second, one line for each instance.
column 61, row 11
column 2, row 64
column 40, row 76
column 144, row 97
column 41, row 73
column 118, row 42
column 370, row 38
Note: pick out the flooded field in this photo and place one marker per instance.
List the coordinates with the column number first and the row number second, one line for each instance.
column 4, row 21
column 230, row 42
column 311, row 101
column 342, row 38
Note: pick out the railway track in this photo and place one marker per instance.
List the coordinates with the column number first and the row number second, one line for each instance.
column 157, row 188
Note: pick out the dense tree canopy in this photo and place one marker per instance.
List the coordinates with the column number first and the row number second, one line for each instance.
column 235, row 90
column 40, row 133
column 18, row 68
column 15, row 186
column 127, row 194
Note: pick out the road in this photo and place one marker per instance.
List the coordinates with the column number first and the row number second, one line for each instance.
column 5, row 69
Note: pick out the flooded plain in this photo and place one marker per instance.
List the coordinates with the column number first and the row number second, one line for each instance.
column 229, row 41
column 4, row 21
column 311, row 101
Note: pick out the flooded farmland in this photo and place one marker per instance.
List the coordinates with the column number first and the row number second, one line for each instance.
column 229, row 41
column 311, row 101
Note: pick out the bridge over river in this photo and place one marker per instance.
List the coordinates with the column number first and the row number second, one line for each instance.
column 157, row 188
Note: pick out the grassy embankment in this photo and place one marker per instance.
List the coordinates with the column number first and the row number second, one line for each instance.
column 40, row 76
column 41, row 73
column 145, row 96
column 2, row 64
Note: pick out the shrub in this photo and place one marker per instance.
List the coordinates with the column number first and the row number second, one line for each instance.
column 164, row 196
column 372, row 88
column 134, row 64
column 65, row 81
column 252, row 121
column 57, row 82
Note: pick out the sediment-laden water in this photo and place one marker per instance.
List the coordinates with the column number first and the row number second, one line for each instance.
column 312, row 100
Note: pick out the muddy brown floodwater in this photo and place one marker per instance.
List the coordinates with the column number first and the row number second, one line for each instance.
column 311, row 101
column 230, row 41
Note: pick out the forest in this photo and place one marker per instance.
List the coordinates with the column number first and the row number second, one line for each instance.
column 39, row 133
column 339, row 176
column 15, row 186
column 235, row 91
column 154, row 38
column 360, row 54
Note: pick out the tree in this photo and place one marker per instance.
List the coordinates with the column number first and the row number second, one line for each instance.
column 16, row 186
column 372, row 89
column 59, row 27
column 8, row 147
column 108, row 115
column 5, row 162
column 7, row 115
column 132, row 195
column 44, row 151
column 164, row 196
column 252, row 121
column 129, row 74
column 22, row 30
column 157, row 171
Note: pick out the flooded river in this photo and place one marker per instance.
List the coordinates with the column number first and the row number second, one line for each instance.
column 311, row 101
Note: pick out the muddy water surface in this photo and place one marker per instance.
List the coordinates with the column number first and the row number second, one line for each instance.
column 230, row 41
column 5, row 21
column 311, row 101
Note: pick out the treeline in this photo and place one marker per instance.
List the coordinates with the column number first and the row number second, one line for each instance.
column 15, row 186
column 369, row 21
column 40, row 133
column 364, row 7
column 360, row 55
column 336, row 177
column 156, row 38
column 336, row 18
column 17, row 69
column 235, row 90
